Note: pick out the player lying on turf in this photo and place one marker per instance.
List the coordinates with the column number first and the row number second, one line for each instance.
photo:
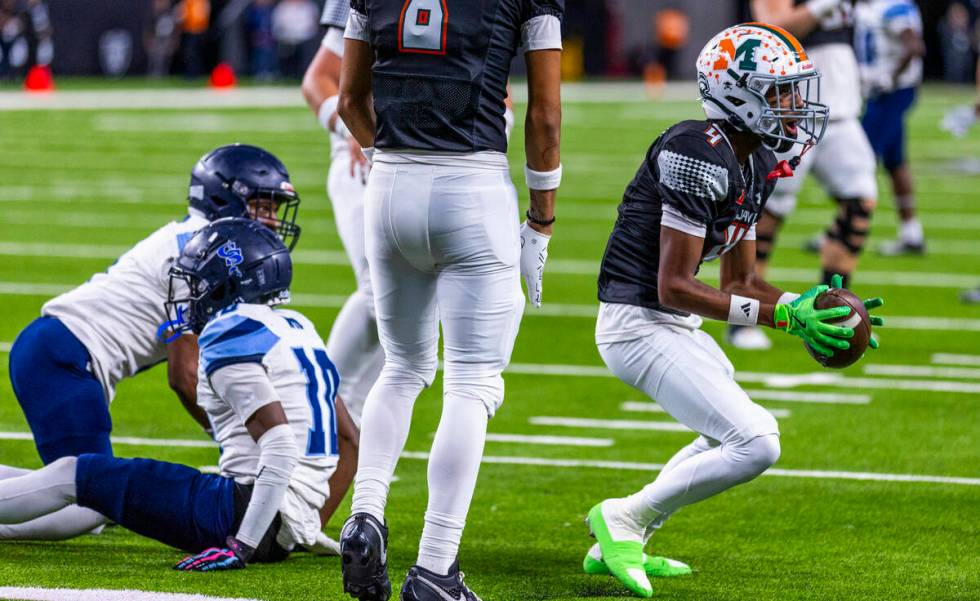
column 268, row 388
column 65, row 365
column 697, row 197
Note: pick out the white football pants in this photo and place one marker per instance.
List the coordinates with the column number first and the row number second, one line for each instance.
column 687, row 373
column 353, row 343
column 443, row 247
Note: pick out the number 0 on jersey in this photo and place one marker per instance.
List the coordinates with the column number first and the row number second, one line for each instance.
column 422, row 27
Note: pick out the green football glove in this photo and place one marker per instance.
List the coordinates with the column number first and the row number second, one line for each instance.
column 837, row 281
column 800, row 318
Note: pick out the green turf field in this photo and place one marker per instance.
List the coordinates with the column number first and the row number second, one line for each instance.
column 78, row 187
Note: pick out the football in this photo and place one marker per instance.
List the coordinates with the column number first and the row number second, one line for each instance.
column 857, row 319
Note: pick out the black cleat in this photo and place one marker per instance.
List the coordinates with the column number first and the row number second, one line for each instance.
column 364, row 558
column 423, row 585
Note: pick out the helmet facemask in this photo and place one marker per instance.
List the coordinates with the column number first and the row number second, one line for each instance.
column 192, row 311
column 792, row 112
column 277, row 210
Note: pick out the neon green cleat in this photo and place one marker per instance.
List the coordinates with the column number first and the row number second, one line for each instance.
column 623, row 558
column 653, row 565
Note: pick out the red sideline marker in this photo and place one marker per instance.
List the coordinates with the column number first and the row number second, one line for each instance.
column 39, row 79
column 222, row 77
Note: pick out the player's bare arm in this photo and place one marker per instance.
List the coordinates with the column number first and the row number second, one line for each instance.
column 348, row 439
column 913, row 47
column 356, row 105
column 182, row 359
column 799, row 20
column 543, row 129
column 738, row 275
column 680, row 254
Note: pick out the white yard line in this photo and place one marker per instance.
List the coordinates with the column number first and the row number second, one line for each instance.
column 775, row 380
column 5, row 347
column 574, row 463
column 568, row 441
column 808, row 397
column 912, row 279
column 607, row 424
column 652, row 467
column 646, row 407
column 20, row 593
column 954, row 359
column 921, row 371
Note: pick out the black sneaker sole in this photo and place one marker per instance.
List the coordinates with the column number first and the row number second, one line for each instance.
column 364, row 579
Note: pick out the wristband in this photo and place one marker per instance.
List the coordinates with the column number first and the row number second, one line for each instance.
column 327, row 109
column 787, row 298
column 743, row 311
column 537, row 221
column 542, row 180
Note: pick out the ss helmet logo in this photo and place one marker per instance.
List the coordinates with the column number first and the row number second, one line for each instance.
column 232, row 256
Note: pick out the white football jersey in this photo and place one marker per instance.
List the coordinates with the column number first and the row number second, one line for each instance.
column 294, row 356
column 117, row 314
column 878, row 42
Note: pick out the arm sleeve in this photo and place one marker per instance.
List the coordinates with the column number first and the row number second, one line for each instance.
column 234, row 339
column 277, row 460
column 691, row 178
column 357, row 26
column 244, row 386
column 541, row 29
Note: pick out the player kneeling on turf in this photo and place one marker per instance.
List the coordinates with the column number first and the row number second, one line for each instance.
column 268, row 389
column 697, row 197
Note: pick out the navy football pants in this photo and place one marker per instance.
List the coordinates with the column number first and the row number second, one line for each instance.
column 64, row 403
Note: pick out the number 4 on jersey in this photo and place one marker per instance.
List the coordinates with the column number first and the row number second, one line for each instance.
column 422, row 27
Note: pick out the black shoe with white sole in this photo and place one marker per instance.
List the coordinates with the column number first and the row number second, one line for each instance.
column 364, row 558
column 423, row 585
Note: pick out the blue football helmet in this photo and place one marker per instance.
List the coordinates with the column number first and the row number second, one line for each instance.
column 239, row 180
column 231, row 260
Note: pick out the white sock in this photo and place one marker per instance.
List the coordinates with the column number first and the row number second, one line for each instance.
column 910, row 231
column 384, row 429
column 454, row 464
column 354, row 348
column 63, row 524
column 9, row 471
column 38, row 493
column 702, row 475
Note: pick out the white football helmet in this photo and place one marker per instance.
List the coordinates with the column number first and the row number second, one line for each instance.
column 758, row 78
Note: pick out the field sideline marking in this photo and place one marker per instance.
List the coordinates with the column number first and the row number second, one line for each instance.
column 653, row 467
column 646, row 407
column 953, row 359
column 20, row 593
column 612, row 465
column 131, row 440
column 921, row 371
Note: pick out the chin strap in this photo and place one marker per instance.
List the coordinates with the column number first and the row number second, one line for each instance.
column 786, row 168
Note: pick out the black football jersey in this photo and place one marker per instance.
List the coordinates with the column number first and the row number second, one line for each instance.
column 691, row 180
column 836, row 29
column 441, row 66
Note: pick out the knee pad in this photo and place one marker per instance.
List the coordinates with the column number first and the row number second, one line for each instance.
column 851, row 227
column 486, row 389
column 764, row 241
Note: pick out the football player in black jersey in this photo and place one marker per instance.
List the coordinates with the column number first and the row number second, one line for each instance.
column 423, row 82
column 696, row 197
